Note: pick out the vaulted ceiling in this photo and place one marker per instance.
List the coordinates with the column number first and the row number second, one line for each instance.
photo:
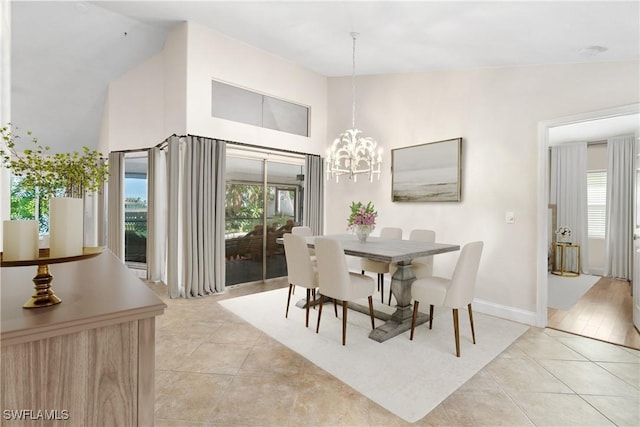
column 65, row 53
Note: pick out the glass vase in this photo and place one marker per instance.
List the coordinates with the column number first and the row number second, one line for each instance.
column 362, row 232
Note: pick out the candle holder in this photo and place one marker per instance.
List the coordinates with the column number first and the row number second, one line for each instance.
column 43, row 295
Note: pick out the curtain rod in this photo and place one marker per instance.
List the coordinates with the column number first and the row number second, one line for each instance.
column 244, row 144
column 261, row 147
column 132, row 150
column 164, row 143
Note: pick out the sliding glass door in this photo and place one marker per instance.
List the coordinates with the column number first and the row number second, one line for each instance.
column 284, row 206
column 263, row 201
column 244, row 220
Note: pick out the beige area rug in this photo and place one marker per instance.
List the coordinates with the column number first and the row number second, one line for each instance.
column 564, row 292
column 408, row 378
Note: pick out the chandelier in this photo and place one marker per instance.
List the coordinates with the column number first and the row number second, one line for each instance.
column 352, row 154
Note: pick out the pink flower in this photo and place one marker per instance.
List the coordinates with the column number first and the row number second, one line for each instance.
column 362, row 215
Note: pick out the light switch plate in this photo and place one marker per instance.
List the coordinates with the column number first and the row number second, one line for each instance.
column 510, row 218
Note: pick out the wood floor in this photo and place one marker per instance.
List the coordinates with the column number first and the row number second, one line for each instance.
column 603, row 313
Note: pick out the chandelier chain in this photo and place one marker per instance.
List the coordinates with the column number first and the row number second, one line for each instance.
column 353, row 83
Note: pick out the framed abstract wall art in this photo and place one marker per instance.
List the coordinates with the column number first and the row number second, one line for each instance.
column 427, row 172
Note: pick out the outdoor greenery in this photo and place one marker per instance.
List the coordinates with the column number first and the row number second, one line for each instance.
column 135, row 229
column 243, row 207
column 39, row 174
column 23, row 205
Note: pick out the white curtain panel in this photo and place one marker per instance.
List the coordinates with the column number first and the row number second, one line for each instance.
column 619, row 232
column 174, row 265
column 157, row 216
column 115, row 204
column 195, row 216
column 569, row 193
column 102, row 212
column 314, row 194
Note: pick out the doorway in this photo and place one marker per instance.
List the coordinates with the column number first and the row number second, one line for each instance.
column 604, row 313
column 628, row 113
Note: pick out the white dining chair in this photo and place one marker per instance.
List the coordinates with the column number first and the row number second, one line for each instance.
column 304, row 231
column 300, row 269
column 453, row 293
column 421, row 266
column 335, row 281
column 301, row 230
column 381, row 267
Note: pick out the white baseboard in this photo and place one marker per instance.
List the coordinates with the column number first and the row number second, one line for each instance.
column 504, row 312
column 142, row 274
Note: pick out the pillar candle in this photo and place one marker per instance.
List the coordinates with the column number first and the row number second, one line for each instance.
column 66, row 231
column 20, row 240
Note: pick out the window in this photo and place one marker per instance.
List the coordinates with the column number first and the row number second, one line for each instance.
column 244, row 106
column 135, row 209
column 596, row 203
column 29, row 204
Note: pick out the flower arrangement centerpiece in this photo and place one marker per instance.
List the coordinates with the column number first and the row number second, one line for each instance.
column 362, row 219
column 564, row 234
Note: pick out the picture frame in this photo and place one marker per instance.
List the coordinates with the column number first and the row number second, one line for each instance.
column 427, row 172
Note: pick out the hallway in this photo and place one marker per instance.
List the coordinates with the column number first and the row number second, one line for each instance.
column 603, row 313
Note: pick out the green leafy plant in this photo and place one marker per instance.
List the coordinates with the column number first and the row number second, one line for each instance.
column 79, row 173
column 69, row 174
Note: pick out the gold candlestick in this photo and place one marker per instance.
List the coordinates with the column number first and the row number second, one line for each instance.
column 43, row 295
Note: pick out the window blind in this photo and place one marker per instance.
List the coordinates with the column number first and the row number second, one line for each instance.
column 596, row 204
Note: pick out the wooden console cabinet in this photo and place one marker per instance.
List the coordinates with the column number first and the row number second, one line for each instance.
column 88, row 361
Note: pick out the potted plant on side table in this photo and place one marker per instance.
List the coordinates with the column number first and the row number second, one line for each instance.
column 64, row 178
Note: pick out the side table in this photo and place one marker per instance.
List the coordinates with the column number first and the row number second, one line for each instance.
column 563, row 249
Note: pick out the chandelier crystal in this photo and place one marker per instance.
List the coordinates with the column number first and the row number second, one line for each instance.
column 350, row 153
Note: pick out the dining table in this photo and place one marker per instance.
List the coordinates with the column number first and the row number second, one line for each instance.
column 400, row 253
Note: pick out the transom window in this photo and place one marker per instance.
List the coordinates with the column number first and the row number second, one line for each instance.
column 244, row 106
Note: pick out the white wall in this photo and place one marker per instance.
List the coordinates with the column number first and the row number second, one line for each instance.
column 175, row 81
column 148, row 103
column 171, row 93
column 5, row 104
column 135, row 104
column 212, row 56
column 496, row 111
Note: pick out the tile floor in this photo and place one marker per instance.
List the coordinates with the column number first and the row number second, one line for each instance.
column 214, row 369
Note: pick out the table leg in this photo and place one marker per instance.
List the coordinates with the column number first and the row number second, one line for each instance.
column 400, row 320
column 314, row 301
